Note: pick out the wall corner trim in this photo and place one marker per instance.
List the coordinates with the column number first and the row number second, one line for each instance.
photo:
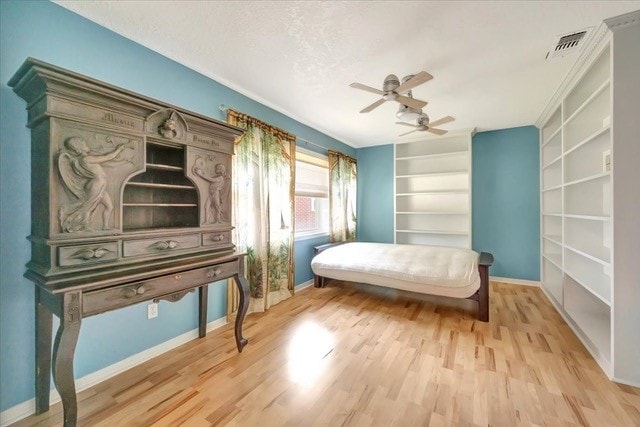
column 24, row 409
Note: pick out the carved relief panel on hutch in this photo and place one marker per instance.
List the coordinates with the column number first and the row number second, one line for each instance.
column 131, row 202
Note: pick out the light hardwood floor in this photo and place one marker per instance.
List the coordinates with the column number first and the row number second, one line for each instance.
column 357, row 355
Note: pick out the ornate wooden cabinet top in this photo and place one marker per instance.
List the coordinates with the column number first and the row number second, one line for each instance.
column 120, row 179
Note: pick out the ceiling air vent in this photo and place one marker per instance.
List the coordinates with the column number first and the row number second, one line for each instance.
column 567, row 44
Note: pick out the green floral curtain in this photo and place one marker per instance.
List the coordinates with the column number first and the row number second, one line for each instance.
column 263, row 194
column 342, row 196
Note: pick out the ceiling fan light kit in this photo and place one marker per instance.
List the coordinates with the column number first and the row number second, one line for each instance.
column 410, row 108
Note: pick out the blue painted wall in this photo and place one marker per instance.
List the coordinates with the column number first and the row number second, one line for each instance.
column 375, row 194
column 506, row 200
column 48, row 32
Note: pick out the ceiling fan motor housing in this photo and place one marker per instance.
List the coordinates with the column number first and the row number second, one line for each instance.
column 391, row 82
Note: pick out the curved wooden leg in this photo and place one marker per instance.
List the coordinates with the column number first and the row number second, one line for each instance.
column 202, row 310
column 63, row 350
column 43, row 353
column 243, row 306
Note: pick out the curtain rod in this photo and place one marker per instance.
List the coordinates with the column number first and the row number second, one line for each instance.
column 223, row 107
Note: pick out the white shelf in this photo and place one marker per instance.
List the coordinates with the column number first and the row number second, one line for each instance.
column 431, row 156
column 552, row 162
column 451, row 232
column 423, row 193
column 554, row 259
column 552, row 214
column 594, row 117
column 588, row 101
column 434, row 213
column 553, row 238
column 552, row 279
column 589, row 217
column 590, row 314
column 589, row 274
column 423, row 175
column 557, row 187
column 592, row 238
column 588, row 139
column 433, row 191
column 586, row 255
column 552, row 136
column 587, row 179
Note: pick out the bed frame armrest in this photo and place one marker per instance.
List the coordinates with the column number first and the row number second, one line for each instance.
column 318, row 249
column 319, row 281
column 486, row 259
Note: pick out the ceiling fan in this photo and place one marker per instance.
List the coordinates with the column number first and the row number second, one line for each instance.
column 392, row 90
column 425, row 125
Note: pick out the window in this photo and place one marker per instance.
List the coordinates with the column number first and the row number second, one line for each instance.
column 312, row 194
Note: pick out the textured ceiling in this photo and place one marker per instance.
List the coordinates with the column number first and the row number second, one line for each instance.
column 487, row 58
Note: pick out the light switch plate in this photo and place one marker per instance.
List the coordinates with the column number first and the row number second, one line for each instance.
column 606, row 161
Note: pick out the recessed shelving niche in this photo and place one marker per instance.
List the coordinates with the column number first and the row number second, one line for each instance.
column 589, row 234
column 433, row 191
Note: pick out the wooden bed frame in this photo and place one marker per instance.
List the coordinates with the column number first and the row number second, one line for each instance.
column 481, row 295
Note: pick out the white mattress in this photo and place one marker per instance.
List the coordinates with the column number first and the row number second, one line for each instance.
column 434, row 270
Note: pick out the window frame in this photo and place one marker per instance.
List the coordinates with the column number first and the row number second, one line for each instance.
column 304, row 235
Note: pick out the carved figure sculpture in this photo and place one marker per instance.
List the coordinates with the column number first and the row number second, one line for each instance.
column 219, row 186
column 82, row 174
column 168, row 127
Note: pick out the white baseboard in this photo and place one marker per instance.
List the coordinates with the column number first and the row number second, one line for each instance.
column 304, row 285
column 24, row 409
column 514, row 281
column 626, row 382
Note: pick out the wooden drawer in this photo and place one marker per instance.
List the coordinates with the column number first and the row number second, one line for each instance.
column 157, row 246
column 217, row 238
column 120, row 296
column 87, row 254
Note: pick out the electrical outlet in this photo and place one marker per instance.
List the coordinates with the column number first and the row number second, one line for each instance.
column 152, row 310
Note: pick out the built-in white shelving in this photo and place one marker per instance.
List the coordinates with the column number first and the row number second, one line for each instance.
column 433, row 191
column 589, row 275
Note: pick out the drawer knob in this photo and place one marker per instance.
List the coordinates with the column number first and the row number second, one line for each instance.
column 168, row 244
column 132, row 292
column 178, row 276
column 87, row 254
column 218, row 238
column 213, row 273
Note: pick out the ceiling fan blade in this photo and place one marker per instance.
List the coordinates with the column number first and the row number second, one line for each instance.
column 411, row 102
column 366, row 88
column 374, row 105
column 407, row 133
column 441, row 121
column 407, row 124
column 437, row 131
column 414, row 81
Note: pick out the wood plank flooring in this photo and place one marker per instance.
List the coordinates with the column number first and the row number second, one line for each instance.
column 358, row 355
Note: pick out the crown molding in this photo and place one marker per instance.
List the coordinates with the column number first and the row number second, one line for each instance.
column 619, row 22
column 592, row 47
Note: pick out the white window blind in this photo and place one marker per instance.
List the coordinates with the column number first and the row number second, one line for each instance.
column 312, row 177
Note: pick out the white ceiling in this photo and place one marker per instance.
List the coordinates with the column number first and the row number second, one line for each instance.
column 487, row 58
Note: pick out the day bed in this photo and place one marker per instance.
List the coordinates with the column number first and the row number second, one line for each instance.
column 433, row 270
